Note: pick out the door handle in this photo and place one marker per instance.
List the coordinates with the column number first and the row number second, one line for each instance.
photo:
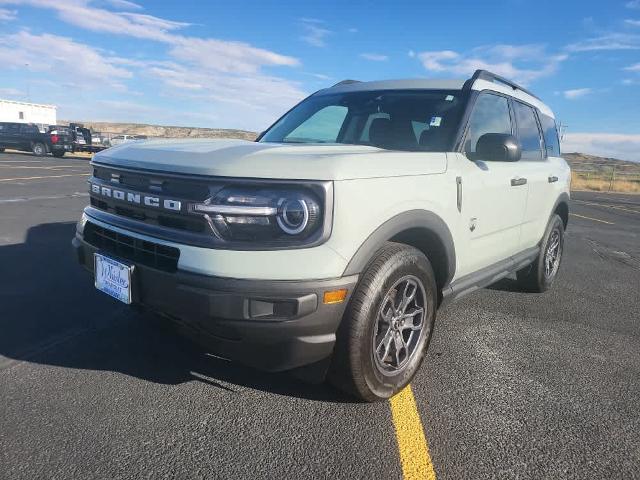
column 552, row 178
column 516, row 182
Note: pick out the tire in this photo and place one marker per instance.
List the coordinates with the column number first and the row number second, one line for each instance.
column 39, row 149
column 373, row 318
column 540, row 275
column 58, row 154
column 1, row 150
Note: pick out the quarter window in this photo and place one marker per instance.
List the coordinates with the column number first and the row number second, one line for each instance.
column 528, row 132
column 490, row 115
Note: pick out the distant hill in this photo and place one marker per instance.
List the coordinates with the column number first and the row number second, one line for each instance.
column 163, row 131
column 583, row 161
column 578, row 161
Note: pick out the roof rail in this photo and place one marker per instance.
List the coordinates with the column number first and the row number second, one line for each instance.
column 492, row 77
column 345, row 82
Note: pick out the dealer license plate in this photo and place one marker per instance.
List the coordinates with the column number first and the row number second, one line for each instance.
column 113, row 277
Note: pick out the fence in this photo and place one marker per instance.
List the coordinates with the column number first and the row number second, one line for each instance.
column 606, row 178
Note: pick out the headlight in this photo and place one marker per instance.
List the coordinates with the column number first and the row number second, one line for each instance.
column 287, row 215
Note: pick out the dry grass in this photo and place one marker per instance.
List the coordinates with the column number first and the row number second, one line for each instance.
column 600, row 184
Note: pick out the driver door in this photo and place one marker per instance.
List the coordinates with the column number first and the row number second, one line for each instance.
column 494, row 195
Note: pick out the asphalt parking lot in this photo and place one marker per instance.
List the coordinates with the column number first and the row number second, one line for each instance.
column 515, row 385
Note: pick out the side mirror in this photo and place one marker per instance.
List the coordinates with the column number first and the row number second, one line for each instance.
column 498, row 147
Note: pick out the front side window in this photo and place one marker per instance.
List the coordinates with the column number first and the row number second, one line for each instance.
column 408, row 120
column 550, row 133
column 528, row 132
column 490, row 115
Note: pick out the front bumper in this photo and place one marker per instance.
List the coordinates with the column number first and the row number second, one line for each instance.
column 273, row 325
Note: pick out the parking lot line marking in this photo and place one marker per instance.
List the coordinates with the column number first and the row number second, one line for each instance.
column 46, row 176
column 43, row 197
column 412, row 444
column 41, row 167
column 591, row 218
column 615, row 207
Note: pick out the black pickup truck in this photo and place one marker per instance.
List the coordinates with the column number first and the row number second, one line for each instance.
column 26, row 137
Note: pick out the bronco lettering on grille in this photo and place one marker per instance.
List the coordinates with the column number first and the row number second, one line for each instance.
column 137, row 198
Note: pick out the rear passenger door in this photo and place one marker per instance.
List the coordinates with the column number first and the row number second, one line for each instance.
column 493, row 201
column 535, row 167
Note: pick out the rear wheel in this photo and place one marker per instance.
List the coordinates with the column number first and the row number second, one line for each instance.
column 539, row 276
column 39, row 149
column 387, row 326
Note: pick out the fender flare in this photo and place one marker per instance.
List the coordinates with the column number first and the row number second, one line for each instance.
column 411, row 219
column 563, row 198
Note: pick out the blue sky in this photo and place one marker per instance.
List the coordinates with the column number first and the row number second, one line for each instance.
column 241, row 64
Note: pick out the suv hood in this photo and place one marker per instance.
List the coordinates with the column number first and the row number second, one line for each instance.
column 241, row 158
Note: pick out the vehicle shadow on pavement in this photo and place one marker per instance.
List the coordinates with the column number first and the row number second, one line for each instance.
column 50, row 314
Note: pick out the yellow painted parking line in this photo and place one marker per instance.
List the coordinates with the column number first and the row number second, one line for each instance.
column 47, row 176
column 591, row 218
column 412, row 444
column 615, row 207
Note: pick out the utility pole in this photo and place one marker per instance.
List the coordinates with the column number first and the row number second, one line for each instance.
column 562, row 128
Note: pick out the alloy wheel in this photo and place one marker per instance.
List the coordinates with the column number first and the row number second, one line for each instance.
column 400, row 325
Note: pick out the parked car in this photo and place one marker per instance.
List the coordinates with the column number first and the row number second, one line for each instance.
column 328, row 245
column 120, row 139
column 27, row 137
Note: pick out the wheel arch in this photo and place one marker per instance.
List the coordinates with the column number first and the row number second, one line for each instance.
column 421, row 229
column 561, row 208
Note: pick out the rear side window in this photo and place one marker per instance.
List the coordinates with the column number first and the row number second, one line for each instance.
column 528, row 132
column 550, row 132
column 490, row 115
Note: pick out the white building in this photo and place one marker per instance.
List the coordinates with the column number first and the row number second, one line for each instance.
column 23, row 112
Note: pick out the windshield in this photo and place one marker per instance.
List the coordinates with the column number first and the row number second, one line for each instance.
column 411, row 120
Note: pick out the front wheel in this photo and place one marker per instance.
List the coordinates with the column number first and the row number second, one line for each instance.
column 387, row 327
column 39, row 149
column 539, row 276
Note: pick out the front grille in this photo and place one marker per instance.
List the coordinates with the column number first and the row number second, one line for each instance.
column 183, row 189
column 146, row 253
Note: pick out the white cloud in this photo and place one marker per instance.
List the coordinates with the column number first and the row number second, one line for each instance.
column 633, row 4
column 124, row 4
column 611, row 41
column 7, row 15
column 315, row 33
column 352, row 30
column 59, row 56
column 633, row 23
column 633, row 68
column 614, row 145
column 522, row 63
column 576, row 93
column 10, row 92
column 226, row 56
column 319, row 76
column 374, row 57
column 219, row 79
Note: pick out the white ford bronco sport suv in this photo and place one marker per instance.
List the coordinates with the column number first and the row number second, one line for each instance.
column 327, row 245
